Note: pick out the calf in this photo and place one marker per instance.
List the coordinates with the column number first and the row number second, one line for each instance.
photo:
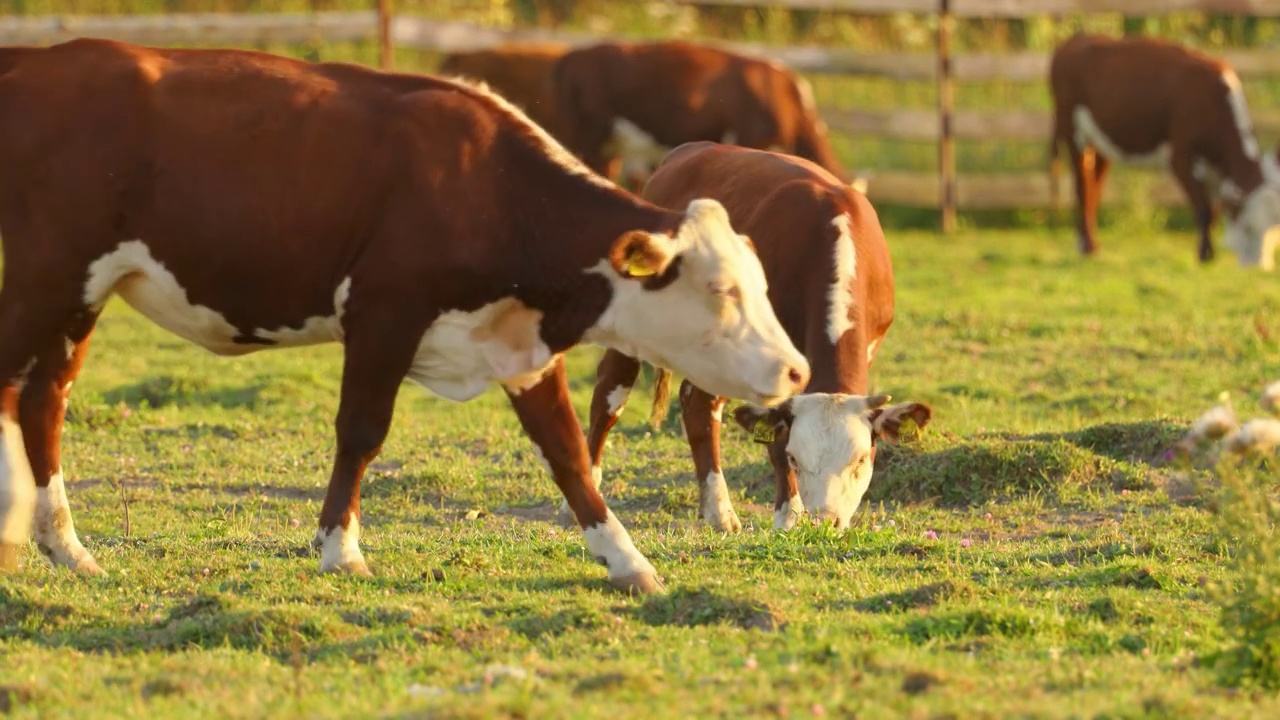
column 635, row 100
column 245, row 201
column 831, row 284
column 1147, row 101
column 520, row 72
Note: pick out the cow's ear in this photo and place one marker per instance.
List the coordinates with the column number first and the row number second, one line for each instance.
column 766, row 425
column 895, row 422
column 639, row 254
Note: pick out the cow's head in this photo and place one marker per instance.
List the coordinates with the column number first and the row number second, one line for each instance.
column 1253, row 230
column 831, row 443
column 697, row 304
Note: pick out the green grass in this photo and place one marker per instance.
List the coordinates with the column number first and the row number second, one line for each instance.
column 1058, row 383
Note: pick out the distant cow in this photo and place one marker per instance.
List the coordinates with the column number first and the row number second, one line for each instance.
column 634, row 101
column 831, row 284
column 245, row 201
column 1147, row 101
column 520, row 72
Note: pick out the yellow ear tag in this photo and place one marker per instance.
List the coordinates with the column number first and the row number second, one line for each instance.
column 764, row 432
column 636, row 269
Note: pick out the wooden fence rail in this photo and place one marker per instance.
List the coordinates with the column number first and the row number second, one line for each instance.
column 971, row 192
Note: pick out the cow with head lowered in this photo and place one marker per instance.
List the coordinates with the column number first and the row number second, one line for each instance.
column 1146, row 101
column 245, row 201
column 621, row 106
column 831, row 285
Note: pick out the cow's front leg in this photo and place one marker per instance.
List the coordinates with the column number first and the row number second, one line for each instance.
column 548, row 418
column 702, row 415
column 376, row 358
column 615, row 376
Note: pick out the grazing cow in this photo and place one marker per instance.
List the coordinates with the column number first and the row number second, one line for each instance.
column 520, row 72
column 245, row 201
column 1148, row 101
column 634, row 101
column 831, row 285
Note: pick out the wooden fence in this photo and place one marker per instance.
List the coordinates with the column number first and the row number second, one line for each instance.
column 945, row 190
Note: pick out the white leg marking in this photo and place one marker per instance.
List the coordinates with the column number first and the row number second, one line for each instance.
column 717, row 410
column 340, row 548
column 611, row 546
column 56, row 533
column 845, row 264
column 17, row 490
column 785, row 517
column 618, row 399
column 871, row 350
column 717, row 507
column 1240, row 111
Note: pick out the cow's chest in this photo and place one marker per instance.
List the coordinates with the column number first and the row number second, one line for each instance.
column 463, row 353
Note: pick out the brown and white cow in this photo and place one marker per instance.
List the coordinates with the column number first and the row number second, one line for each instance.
column 831, row 284
column 245, row 201
column 520, row 72
column 631, row 102
column 1146, row 101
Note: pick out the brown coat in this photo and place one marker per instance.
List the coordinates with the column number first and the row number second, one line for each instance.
column 1149, row 101
column 244, row 201
column 680, row 92
column 520, row 72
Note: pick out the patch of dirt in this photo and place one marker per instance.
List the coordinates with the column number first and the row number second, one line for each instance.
column 919, row 681
column 689, row 608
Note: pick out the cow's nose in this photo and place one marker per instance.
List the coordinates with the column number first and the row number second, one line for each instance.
column 826, row 516
column 799, row 378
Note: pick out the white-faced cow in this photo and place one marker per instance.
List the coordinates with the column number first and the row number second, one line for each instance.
column 629, row 103
column 1148, row 101
column 520, row 72
column 246, row 201
column 831, row 285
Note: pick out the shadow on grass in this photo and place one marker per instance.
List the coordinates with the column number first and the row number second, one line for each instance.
column 968, row 471
column 169, row 390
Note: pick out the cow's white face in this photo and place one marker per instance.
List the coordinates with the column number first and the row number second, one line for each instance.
column 830, row 440
column 697, row 304
column 1253, row 234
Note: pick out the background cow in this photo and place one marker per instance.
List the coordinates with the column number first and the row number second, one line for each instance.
column 831, row 284
column 1149, row 101
column 246, row 201
column 520, row 72
column 634, row 101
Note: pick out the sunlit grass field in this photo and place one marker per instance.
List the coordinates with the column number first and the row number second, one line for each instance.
column 1069, row 575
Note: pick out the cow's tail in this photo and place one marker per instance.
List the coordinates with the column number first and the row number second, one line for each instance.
column 661, row 396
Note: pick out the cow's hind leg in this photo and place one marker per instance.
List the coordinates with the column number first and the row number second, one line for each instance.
column 547, row 416
column 41, row 409
column 31, row 318
column 702, row 415
column 615, row 376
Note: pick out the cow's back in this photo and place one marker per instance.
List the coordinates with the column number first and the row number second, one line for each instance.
column 1132, row 88
column 521, row 73
column 791, row 210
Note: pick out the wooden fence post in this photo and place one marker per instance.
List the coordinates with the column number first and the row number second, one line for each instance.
column 384, row 34
column 946, row 110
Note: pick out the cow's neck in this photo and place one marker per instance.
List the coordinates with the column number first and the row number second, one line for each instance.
column 563, row 278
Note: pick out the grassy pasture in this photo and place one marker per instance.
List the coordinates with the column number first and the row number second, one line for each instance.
column 1068, row 577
